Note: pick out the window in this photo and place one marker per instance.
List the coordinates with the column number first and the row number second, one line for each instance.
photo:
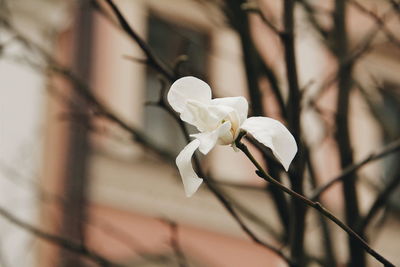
column 389, row 119
column 159, row 125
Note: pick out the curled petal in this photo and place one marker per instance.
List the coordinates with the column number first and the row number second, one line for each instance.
column 209, row 139
column 200, row 115
column 273, row 135
column 188, row 88
column 238, row 103
column 205, row 117
column 191, row 181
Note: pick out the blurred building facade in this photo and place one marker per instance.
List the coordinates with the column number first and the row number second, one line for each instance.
column 117, row 197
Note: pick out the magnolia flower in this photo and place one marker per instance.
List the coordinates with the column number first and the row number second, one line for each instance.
column 220, row 121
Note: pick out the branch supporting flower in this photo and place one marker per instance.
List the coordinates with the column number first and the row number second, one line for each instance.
column 315, row 205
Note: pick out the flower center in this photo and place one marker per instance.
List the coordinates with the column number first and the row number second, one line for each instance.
column 228, row 137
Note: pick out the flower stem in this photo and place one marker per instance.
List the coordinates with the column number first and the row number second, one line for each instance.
column 313, row 204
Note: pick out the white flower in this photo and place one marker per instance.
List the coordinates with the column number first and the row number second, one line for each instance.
column 219, row 121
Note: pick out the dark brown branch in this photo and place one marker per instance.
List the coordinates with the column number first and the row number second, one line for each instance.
column 110, row 230
column 378, row 20
column 311, row 13
column 102, row 110
column 227, row 205
column 315, row 205
column 396, row 6
column 327, row 238
column 265, row 69
column 239, row 186
column 279, row 199
column 380, row 201
column 174, row 242
column 152, row 59
column 361, row 49
column 253, row 66
column 252, row 7
column 86, row 93
column 341, row 51
column 388, row 149
column 69, row 245
column 273, row 81
column 255, row 218
column 288, row 41
column 298, row 210
column 239, row 21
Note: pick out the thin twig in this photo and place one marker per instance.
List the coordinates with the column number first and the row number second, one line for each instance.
column 380, row 201
column 329, row 252
column 215, row 190
column 388, row 149
column 87, row 94
column 315, row 205
column 378, row 20
column 70, row 245
column 311, row 13
column 361, row 49
column 175, row 245
column 252, row 7
column 110, row 230
column 153, row 60
column 396, row 6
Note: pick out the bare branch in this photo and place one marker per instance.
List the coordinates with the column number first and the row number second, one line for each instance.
column 254, row 67
column 361, row 49
column 174, row 242
column 311, row 13
column 327, row 242
column 69, row 245
column 227, row 205
column 87, row 94
column 378, row 20
column 298, row 209
column 396, row 6
column 252, row 7
column 388, row 149
column 153, row 60
column 315, row 205
column 380, row 201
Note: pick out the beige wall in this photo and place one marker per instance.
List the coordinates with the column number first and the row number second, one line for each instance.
column 129, row 188
column 134, row 186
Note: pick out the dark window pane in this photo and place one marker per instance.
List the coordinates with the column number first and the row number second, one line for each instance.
column 169, row 41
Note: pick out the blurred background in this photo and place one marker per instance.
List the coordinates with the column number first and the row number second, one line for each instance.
column 87, row 152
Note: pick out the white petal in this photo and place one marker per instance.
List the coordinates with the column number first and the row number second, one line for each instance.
column 191, row 181
column 187, row 88
column 209, row 139
column 238, row 103
column 205, row 117
column 274, row 135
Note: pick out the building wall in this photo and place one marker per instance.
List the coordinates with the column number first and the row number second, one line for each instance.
column 132, row 192
column 22, row 124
